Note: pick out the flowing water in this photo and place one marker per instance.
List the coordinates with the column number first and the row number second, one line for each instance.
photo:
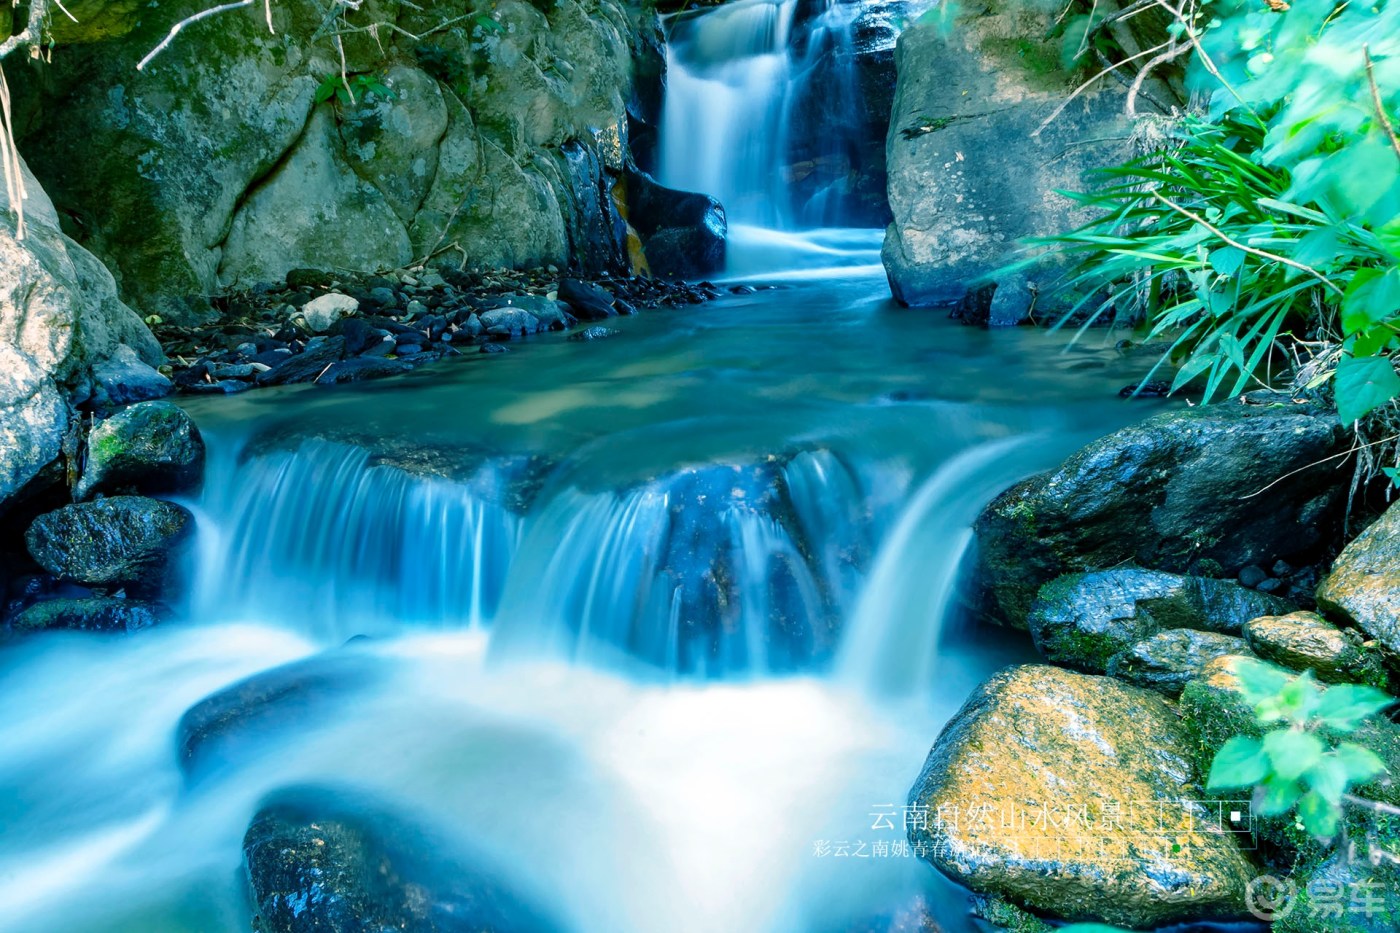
column 661, row 627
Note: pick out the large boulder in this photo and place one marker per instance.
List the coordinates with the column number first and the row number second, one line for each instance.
column 316, row 862
column 682, row 233
column 1206, row 490
column 1084, row 620
column 968, row 174
column 1364, row 585
column 1069, row 795
column 123, row 542
column 152, row 447
column 59, row 319
column 495, row 136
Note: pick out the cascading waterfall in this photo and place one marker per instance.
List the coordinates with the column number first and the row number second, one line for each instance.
column 762, row 106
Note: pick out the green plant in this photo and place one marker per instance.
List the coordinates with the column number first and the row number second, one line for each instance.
column 349, row 89
column 1268, row 228
column 1301, row 763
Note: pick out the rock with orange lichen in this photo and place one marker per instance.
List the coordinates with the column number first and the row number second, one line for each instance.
column 1072, row 796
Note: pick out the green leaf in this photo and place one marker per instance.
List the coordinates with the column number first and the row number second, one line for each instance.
column 1260, row 681
column 1292, row 752
column 1300, row 698
column 1321, row 817
column 1241, row 762
column 1393, row 473
column 1346, row 706
column 487, row 23
column 1227, row 260
column 1360, row 764
column 1278, row 796
column 1372, row 296
column 325, row 90
column 1363, row 385
column 1328, row 777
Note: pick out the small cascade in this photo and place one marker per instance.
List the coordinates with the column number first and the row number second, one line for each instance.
column 767, row 111
column 324, row 537
column 708, row 571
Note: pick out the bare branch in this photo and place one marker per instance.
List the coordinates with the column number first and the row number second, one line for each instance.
column 1380, row 104
column 33, row 29
column 202, row 14
column 1173, row 52
column 1090, row 83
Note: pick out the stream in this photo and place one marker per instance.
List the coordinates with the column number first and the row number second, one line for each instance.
column 661, row 626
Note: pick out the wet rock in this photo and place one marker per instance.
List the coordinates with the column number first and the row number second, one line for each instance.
column 683, row 233
column 1346, row 893
column 317, row 862
column 1207, row 489
column 594, row 333
column 1252, row 576
column 1083, row 620
column 319, row 355
column 1099, row 758
column 588, row 302
column 509, row 322
column 362, row 368
column 493, row 348
column 124, row 378
column 33, row 422
column 1364, row 585
column 98, row 614
column 126, row 542
column 1168, row 660
column 239, row 723
column 1305, row 641
column 321, row 313
column 151, row 447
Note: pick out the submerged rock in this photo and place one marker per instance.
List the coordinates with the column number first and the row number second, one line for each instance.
column 1364, row 585
column 152, row 447
column 1167, row 661
column 129, row 542
column 318, row 863
column 1305, row 641
column 1084, row 620
column 1206, row 490
column 99, row 614
column 1066, row 794
column 240, row 722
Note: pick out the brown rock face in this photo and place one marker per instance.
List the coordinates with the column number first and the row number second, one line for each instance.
column 1070, row 795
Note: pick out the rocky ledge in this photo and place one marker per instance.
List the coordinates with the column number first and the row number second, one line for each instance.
column 333, row 328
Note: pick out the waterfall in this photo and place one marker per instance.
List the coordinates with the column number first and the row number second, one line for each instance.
column 765, row 110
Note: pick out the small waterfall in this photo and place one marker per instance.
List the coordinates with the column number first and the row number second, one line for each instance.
column 765, row 111
column 324, row 536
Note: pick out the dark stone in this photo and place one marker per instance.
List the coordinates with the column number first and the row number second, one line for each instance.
column 683, row 233
column 151, row 447
column 98, row 614
column 319, row 354
column 1220, row 487
column 588, row 301
column 362, row 368
column 1146, row 390
column 1082, row 620
column 319, row 862
column 384, row 297
column 594, row 333
column 493, row 348
column 309, row 278
column 273, row 357
column 358, row 334
column 230, row 728
column 1252, row 576
column 120, row 542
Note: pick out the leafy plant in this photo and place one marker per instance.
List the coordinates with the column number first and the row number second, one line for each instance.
column 348, row 90
column 1301, row 763
column 1269, row 227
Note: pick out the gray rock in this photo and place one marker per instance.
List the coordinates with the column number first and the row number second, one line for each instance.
column 549, row 313
column 322, row 312
column 124, row 378
column 1205, row 490
column 1305, row 641
column 33, row 421
column 98, row 614
column 1168, row 660
column 1364, row 585
column 1083, row 620
column 318, row 357
column 122, row 542
column 1103, row 761
column 510, row 322
column 151, row 447
column 319, row 861
column 967, row 177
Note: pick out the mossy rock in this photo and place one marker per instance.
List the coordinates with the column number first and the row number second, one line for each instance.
column 149, row 448
column 1305, row 641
